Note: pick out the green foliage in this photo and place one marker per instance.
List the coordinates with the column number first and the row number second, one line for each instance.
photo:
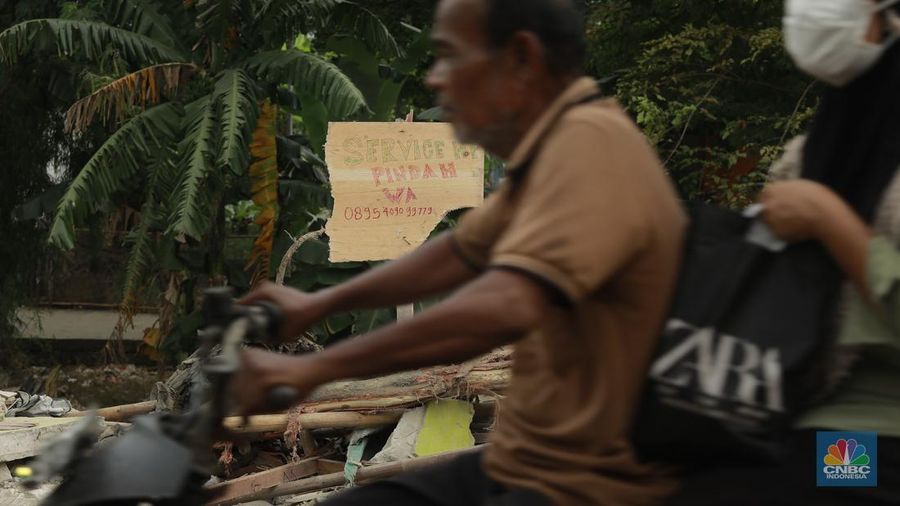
column 193, row 196
column 86, row 38
column 241, row 212
column 407, row 21
column 311, row 75
column 284, row 19
column 215, row 16
column 141, row 258
column 144, row 18
column 358, row 21
column 710, row 85
column 114, row 167
column 380, row 82
column 235, row 92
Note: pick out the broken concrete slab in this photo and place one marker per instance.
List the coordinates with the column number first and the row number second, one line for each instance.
column 5, row 475
column 12, row 495
column 21, row 438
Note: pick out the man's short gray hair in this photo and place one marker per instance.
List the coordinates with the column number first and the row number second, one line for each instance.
column 556, row 23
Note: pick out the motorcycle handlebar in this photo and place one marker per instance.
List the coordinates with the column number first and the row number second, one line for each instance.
column 260, row 321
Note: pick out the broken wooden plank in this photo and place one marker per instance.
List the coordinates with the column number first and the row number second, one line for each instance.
column 278, row 423
column 252, row 483
column 329, row 466
column 365, row 474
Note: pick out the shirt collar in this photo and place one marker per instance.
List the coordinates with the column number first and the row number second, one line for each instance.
column 579, row 90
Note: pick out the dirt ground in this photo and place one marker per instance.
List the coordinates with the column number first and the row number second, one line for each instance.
column 86, row 386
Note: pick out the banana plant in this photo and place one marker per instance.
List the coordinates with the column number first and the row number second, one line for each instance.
column 192, row 118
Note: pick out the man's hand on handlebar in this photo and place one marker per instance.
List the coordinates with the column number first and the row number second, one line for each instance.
column 300, row 310
column 261, row 372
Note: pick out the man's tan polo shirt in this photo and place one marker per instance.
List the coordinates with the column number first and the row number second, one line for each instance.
column 595, row 217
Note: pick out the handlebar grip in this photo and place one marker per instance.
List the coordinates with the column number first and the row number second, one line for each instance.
column 282, row 397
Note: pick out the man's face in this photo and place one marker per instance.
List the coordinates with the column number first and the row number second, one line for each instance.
column 474, row 82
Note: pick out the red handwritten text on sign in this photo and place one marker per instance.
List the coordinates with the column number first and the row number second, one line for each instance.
column 393, row 182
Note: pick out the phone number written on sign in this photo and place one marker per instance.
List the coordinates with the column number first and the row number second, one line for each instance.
column 377, row 213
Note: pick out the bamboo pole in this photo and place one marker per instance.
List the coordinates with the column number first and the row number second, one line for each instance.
column 121, row 413
column 278, row 423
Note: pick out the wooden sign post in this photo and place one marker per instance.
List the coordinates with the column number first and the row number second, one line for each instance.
column 393, row 183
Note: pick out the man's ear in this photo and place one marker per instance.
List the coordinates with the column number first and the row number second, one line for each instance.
column 528, row 54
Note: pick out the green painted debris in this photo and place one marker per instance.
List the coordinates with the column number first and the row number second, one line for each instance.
column 446, row 427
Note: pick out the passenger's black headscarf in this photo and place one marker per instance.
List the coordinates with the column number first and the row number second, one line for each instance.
column 854, row 142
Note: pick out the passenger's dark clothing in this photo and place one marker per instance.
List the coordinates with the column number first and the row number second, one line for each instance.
column 792, row 482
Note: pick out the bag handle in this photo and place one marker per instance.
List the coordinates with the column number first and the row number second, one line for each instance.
column 758, row 234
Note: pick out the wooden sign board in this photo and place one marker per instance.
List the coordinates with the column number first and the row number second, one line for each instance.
column 393, row 183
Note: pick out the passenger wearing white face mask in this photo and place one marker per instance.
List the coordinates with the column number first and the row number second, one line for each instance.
column 838, row 41
column 839, row 185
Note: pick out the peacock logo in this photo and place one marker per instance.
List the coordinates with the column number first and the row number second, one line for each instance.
column 846, row 452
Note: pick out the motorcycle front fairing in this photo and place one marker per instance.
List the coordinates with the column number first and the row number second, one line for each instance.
column 144, row 465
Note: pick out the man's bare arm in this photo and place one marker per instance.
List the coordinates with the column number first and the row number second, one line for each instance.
column 497, row 308
column 433, row 268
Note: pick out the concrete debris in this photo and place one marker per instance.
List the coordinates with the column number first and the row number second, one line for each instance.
column 310, row 499
column 12, row 495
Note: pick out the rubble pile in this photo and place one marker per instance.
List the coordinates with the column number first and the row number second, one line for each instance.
column 351, row 432
column 346, row 433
